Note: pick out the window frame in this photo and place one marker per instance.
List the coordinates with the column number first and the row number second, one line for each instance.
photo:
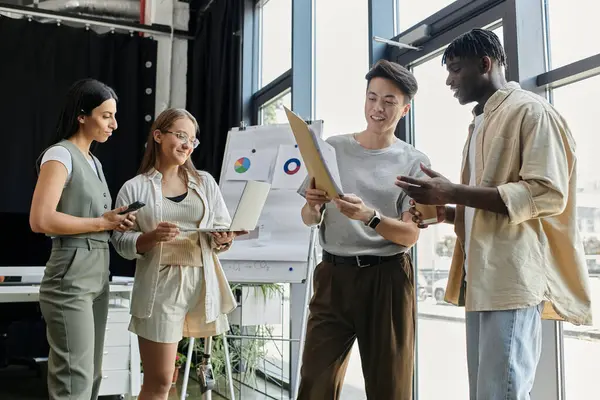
column 468, row 14
column 520, row 40
column 525, row 33
column 275, row 88
column 300, row 80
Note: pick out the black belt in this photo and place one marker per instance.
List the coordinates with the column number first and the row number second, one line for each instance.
column 360, row 261
column 66, row 242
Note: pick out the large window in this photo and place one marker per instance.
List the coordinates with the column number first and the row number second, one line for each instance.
column 275, row 39
column 441, row 351
column 439, row 127
column 573, row 29
column 576, row 102
column 411, row 12
column 341, row 62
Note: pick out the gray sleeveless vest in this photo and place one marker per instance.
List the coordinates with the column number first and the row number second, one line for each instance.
column 86, row 195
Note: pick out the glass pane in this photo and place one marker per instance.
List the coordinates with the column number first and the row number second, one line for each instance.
column 441, row 358
column 340, row 96
column 569, row 23
column 576, row 102
column 276, row 39
column 273, row 112
column 411, row 12
column 340, row 69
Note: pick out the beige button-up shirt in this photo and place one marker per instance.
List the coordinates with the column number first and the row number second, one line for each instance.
column 219, row 300
column 534, row 254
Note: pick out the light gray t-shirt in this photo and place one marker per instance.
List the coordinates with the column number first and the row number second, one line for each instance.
column 370, row 175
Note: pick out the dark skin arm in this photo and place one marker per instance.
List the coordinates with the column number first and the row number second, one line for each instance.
column 440, row 191
column 482, row 198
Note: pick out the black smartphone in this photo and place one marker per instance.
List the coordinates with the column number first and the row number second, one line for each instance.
column 133, row 207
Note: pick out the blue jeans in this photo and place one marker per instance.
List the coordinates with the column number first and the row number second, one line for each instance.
column 503, row 351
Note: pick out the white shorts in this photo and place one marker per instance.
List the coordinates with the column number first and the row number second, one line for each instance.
column 179, row 308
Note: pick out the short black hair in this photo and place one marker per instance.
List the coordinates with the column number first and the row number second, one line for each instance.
column 402, row 77
column 476, row 43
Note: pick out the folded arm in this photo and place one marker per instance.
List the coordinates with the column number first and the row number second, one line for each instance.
column 403, row 232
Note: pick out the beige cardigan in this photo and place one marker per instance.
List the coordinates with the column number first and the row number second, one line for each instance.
column 534, row 254
column 220, row 301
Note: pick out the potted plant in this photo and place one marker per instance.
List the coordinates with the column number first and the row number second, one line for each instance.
column 245, row 354
column 180, row 360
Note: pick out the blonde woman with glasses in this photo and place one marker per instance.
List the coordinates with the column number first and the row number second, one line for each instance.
column 179, row 288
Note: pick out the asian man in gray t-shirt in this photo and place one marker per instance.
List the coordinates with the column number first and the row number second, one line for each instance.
column 364, row 289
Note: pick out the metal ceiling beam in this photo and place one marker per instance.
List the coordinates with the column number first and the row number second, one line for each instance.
column 154, row 30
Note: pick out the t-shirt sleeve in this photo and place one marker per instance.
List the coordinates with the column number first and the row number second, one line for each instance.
column 60, row 154
column 415, row 172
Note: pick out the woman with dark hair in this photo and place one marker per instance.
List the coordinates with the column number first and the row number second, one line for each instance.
column 180, row 288
column 71, row 204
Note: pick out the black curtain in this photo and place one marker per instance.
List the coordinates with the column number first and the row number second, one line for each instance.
column 213, row 84
column 40, row 63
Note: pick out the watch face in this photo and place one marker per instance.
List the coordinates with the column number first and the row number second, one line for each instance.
column 375, row 221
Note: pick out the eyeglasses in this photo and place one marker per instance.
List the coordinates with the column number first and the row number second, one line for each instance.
column 184, row 138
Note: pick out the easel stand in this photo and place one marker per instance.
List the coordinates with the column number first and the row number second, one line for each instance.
column 278, row 254
column 206, row 358
column 311, row 259
column 312, row 263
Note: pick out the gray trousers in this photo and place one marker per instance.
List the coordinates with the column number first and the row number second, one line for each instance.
column 74, row 302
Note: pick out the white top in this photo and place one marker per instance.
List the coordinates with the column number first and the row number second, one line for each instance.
column 469, row 211
column 62, row 155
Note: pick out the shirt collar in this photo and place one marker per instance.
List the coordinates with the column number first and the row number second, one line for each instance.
column 497, row 98
column 155, row 175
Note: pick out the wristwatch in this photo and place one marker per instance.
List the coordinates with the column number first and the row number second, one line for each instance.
column 375, row 220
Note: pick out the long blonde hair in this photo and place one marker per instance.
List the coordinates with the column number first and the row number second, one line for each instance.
column 163, row 123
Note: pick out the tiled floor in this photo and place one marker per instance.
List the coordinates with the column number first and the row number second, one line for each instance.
column 269, row 391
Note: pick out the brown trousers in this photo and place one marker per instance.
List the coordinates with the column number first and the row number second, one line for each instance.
column 375, row 305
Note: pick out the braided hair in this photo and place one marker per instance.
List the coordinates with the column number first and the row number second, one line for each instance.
column 83, row 96
column 477, row 43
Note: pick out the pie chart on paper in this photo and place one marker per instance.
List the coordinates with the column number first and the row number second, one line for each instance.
column 242, row 165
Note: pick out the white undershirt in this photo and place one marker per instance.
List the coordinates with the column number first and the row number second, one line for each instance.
column 62, row 155
column 469, row 211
